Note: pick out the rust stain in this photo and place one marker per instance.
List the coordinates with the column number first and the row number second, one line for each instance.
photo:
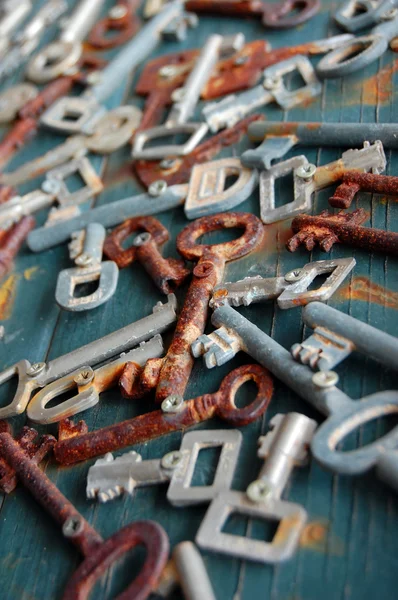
column 317, row 536
column 30, row 273
column 8, row 292
column 276, row 236
column 379, row 87
column 362, row 289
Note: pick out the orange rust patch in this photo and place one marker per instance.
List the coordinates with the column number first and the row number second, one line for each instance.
column 276, row 236
column 361, row 288
column 8, row 292
column 379, row 88
column 30, row 273
column 317, row 536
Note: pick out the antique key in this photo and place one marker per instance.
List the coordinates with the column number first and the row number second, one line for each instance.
column 53, row 189
column 59, row 57
column 109, row 133
column 166, row 273
column 173, row 374
column 110, row 477
column 89, row 267
column 282, row 449
column 121, row 21
column 344, row 415
column 99, row 554
column 290, row 290
column 185, row 100
column 75, row 443
column 228, row 111
column 358, row 14
column 353, row 183
column 26, row 41
column 88, row 107
column 11, row 242
column 37, row 375
column 327, row 229
column 279, row 15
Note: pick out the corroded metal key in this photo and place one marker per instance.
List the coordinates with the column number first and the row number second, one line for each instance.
column 75, row 443
column 121, row 22
column 352, row 183
column 283, row 448
column 166, row 273
column 99, row 554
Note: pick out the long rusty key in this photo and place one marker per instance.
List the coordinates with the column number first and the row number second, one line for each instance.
column 99, row 554
column 166, row 273
column 174, row 370
column 76, row 444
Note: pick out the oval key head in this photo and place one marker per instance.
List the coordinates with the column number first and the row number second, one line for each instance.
column 253, row 231
column 121, row 24
column 147, row 533
column 227, row 409
column 352, row 56
column 343, row 422
column 53, row 61
column 289, row 13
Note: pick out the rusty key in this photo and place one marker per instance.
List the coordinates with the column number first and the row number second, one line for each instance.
column 354, row 182
column 327, row 229
column 36, row 448
column 11, row 242
column 99, row 554
column 166, row 273
column 121, row 19
column 76, row 443
column 279, row 15
column 178, row 170
column 172, row 374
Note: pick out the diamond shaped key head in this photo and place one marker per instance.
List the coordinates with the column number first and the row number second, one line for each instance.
column 110, row 477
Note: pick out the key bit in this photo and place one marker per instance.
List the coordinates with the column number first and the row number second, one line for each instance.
column 217, row 347
column 283, row 448
column 353, row 183
column 327, row 229
column 166, row 273
column 323, row 350
column 34, row 446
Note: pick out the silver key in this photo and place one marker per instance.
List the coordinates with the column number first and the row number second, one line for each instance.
column 231, row 109
column 185, row 100
column 37, row 375
column 59, row 57
column 26, row 41
column 192, row 573
column 289, row 291
column 11, row 16
column 53, row 190
column 111, row 132
column 14, row 98
column 88, row 107
column 283, row 448
column 89, row 267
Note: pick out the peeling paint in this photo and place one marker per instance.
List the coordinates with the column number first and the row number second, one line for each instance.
column 8, row 292
column 30, row 273
column 318, row 536
column 362, row 289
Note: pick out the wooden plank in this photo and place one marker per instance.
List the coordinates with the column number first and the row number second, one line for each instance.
column 348, row 551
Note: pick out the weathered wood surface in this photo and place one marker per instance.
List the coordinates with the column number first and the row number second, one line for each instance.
column 349, row 550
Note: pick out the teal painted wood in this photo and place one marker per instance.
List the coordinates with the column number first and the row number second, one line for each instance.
column 356, row 558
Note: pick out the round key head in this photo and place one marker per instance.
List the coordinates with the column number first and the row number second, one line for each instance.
column 147, row 533
column 253, row 231
column 53, row 61
column 227, row 409
column 352, row 56
column 289, row 13
column 115, row 29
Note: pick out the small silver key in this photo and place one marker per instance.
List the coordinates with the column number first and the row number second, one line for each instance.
column 59, row 57
column 290, row 290
column 89, row 268
column 283, row 448
column 231, row 109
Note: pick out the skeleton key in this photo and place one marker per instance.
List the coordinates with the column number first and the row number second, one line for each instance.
column 88, row 107
column 110, row 477
column 282, row 449
column 179, row 169
column 228, row 111
column 36, row 448
column 279, row 15
column 59, row 57
column 345, row 228
column 89, row 268
column 358, row 14
column 111, row 132
column 290, row 290
column 336, row 335
column 11, row 242
column 53, row 189
column 353, row 183
column 167, row 274
column 344, row 415
column 175, row 370
column 90, row 383
column 185, row 100
column 121, row 19
column 26, row 41
column 37, row 375
column 99, row 554
column 76, row 444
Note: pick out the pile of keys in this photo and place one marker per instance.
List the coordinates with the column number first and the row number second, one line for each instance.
column 212, row 96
